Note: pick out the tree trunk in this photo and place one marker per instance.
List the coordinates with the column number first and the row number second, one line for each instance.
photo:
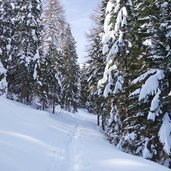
column 53, row 105
column 98, row 119
column 103, row 124
column 169, row 81
column 43, row 104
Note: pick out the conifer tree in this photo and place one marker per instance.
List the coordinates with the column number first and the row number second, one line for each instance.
column 70, row 74
column 143, row 59
column 6, row 15
column 51, row 62
column 95, row 65
column 137, row 44
column 25, row 54
column 116, row 46
column 54, row 25
column 3, row 83
column 95, row 68
column 49, row 79
column 150, row 85
column 83, row 87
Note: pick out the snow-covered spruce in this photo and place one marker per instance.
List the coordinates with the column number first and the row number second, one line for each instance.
column 24, row 54
column 3, row 82
column 69, row 95
column 51, row 62
column 136, row 78
column 95, row 64
column 149, row 100
column 116, row 47
column 6, row 24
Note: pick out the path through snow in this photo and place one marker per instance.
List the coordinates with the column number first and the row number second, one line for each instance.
column 32, row 140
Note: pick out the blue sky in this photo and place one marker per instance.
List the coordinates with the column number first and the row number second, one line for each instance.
column 78, row 15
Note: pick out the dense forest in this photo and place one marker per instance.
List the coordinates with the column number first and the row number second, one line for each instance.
column 126, row 81
column 38, row 55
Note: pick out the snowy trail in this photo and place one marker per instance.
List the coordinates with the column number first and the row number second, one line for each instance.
column 32, row 140
column 87, row 150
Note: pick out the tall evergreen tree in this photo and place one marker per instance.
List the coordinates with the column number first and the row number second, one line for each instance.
column 149, row 115
column 50, row 69
column 70, row 74
column 116, row 46
column 95, row 65
column 6, row 15
column 83, row 87
column 25, row 54
column 49, row 78
column 137, row 76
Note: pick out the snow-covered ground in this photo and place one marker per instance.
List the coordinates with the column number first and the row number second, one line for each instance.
column 32, row 140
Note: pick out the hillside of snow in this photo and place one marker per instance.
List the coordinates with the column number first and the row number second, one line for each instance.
column 32, row 140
